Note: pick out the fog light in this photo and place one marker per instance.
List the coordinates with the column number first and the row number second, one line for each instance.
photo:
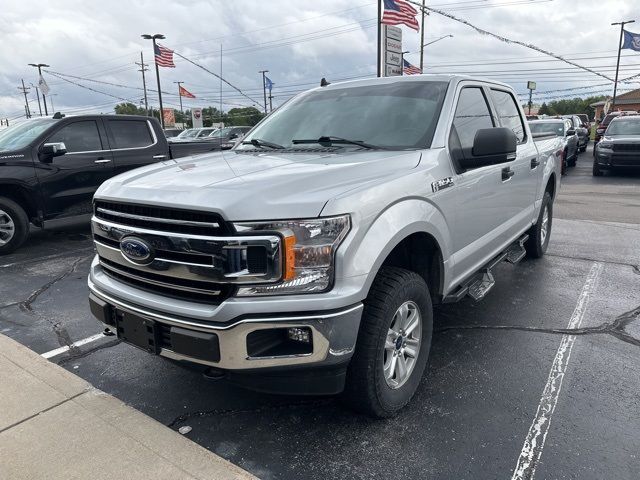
column 299, row 334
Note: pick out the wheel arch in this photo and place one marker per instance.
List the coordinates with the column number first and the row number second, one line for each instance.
column 22, row 196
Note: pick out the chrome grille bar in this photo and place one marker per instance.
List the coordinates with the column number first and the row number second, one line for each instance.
column 145, row 218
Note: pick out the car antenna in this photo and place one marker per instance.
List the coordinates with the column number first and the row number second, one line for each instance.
column 324, row 83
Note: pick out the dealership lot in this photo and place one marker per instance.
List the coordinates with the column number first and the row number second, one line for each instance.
column 483, row 389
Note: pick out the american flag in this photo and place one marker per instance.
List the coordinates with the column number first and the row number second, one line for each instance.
column 164, row 56
column 398, row 12
column 409, row 69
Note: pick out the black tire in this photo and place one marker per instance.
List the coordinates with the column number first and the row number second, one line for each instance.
column 537, row 244
column 10, row 211
column 366, row 389
column 596, row 170
column 583, row 148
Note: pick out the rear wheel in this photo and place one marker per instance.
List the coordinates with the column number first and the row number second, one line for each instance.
column 539, row 234
column 393, row 344
column 14, row 225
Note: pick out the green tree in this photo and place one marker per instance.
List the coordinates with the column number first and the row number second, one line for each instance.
column 129, row 108
column 243, row 116
column 544, row 110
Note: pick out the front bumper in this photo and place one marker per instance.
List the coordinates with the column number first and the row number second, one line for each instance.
column 333, row 334
column 609, row 158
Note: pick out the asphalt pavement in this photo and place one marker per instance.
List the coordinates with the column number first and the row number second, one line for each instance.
column 542, row 373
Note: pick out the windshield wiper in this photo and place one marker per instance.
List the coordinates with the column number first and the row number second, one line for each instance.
column 334, row 140
column 256, row 142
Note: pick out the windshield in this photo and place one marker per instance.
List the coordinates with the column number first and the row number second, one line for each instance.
column 400, row 115
column 19, row 136
column 624, row 127
column 555, row 128
column 220, row 133
column 192, row 132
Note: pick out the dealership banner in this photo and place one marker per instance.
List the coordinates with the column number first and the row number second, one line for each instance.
column 169, row 116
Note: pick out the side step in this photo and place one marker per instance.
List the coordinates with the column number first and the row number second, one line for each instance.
column 482, row 281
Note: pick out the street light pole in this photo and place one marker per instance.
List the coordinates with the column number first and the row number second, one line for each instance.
column 39, row 67
column 264, row 88
column 422, row 38
column 153, row 39
column 615, row 84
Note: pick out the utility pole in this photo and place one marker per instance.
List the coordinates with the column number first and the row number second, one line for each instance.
column 153, row 38
column 39, row 67
column 264, row 88
column 26, row 101
column 422, row 39
column 615, row 84
column 38, row 98
column 270, row 102
column 53, row 110
column 220, row 114
column 378, row 59
column 180, row 97
column 144, row 81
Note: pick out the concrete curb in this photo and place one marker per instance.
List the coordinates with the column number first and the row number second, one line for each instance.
column 55, row 425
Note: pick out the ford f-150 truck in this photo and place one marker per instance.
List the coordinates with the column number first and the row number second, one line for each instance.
column 307, row 259
column 50, row 167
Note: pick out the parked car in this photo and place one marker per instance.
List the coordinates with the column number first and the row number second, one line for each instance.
column 586, row 123
column 563, row 129
column 602, row 127
column 581, row 131
column 50, row 167
column 172, row 132
column 227, row 137
column 620, row 145
column 307, row 259
column 192, row 134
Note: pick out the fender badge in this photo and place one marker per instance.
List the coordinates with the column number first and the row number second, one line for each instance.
column 442, row 184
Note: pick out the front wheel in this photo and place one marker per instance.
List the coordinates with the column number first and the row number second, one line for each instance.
column 14, row 226
column 393, row 344
column 539, row 234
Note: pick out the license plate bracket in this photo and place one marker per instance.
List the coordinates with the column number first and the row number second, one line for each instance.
column 138, row 331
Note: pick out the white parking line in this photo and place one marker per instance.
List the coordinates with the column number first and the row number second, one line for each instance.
column 66, row 348
column 534, row 442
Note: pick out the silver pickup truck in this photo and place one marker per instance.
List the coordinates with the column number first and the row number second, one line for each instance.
column 307, row 259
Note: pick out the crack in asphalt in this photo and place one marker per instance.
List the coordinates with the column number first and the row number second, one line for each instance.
column 615, row 328
column 77, row 352
column 635, row 268
column 233, row 411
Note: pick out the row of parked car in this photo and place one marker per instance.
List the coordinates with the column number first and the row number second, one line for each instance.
column 574, row 130
column 225, row 137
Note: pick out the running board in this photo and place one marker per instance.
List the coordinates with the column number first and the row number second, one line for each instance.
column 482, row 281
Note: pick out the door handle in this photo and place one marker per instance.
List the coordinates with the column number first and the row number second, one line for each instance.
column 534, row 163
column 507, row 173
column 102, row 160
column 159, row 157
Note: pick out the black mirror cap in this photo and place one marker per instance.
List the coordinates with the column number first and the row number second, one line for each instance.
column 570, row 132
column 50, row 150
column 492, row 146
column 233, row 136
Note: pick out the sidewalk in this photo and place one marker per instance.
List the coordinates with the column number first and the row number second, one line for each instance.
column 54, row 425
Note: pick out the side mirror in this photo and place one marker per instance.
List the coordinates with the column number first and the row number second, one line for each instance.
column 492, row 146
column 233, row 136
column 50, row 150
column 571, row 132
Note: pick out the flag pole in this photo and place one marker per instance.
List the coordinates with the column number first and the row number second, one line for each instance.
column 422, row 39
column 379, row 60
column 615, row 83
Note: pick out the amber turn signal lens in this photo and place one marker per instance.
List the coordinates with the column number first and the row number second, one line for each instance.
column 289, row 257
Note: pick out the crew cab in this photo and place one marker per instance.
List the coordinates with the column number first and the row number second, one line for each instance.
column 50, row 167
column 307, row 259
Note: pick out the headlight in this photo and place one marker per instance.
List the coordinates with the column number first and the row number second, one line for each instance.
column 308, row 248
column 605, row 146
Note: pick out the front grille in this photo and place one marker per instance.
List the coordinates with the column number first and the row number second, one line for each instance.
column 178, row 288
column 626, row 147
column 163, row 219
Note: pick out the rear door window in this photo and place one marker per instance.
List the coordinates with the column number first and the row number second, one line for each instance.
column 78, row 137
column 130, row 133
column 509, row 113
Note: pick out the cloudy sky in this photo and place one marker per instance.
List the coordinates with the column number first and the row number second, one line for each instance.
column 298, row 41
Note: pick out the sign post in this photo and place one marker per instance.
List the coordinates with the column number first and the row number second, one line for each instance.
column 531, row 86
column 392, row 51
column 196, row 117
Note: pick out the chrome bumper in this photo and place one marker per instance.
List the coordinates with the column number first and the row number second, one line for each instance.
column 334, row 335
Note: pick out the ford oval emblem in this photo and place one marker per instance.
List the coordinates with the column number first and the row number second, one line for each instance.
column 136, row 250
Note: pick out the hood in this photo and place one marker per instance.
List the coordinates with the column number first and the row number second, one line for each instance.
column 621, row 138
column 255, row 186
